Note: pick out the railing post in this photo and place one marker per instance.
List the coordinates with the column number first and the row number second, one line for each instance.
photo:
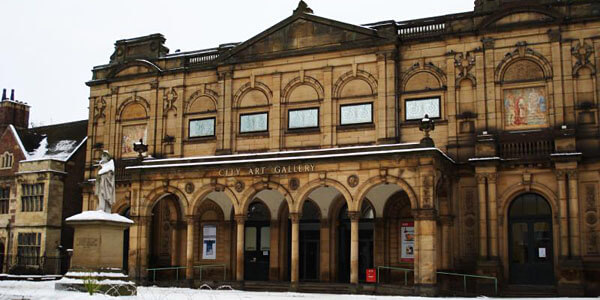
column 465, row 284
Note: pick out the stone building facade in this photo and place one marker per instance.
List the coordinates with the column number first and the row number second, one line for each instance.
column 40, row 172
column 297, row 155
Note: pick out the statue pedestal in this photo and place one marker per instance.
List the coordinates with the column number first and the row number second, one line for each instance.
column 98, row 254
column 98, row 241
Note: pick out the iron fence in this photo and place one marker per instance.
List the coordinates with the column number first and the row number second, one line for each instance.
column 35, row 265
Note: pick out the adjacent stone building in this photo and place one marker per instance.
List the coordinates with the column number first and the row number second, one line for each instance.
column 40, row 175
column 299, row 155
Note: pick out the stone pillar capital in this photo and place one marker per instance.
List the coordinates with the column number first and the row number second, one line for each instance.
column 354, row 216
column 480, row 178
column 572, row 173
column 560, row 174
column 491, row 177
column 190, row 219
column 295, row 217
column 240, row 219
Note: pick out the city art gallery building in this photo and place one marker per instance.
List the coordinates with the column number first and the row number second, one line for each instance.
column 299, row 156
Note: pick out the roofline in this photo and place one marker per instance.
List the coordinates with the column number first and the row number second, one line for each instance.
column 59, row 124
column 16, row 134
column 77, row 148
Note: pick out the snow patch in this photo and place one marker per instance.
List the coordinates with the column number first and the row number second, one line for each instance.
column 40, row 151
column 96, row 274
column 107, row 167
column 98, row 215
column 60, row 151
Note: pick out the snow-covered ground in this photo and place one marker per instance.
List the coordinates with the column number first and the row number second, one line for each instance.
column 21, row 290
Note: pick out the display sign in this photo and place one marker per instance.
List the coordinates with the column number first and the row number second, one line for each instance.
column 542, row 252
column 209, row 236
column 407, row 240
column 416, row 109
column 356, row 113
column 132, row 134
column 303, row 118
column 256, row 122
column 202, row 127
column 371, row 276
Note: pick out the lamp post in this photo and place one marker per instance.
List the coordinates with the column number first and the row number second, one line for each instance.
column 140, row 148
column 426, row 125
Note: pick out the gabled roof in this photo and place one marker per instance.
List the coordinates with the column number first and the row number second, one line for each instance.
column 58, row 142
column 304, row 32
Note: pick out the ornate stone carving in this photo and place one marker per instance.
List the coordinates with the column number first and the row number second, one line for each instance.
column 488, row 43
column 554, row 35
column 295, row 217
column 353, row 180
column 464, row 63
column 239, row 186
column 169, row 99
column 591, row 220
column 240, row 219
column 294, row 184
column 99, row 108
column 354, row 215
column 189, row 187
column 427, row 189
column 582, row 53
column 469, row 222
column 480, row 178
column 491, row 177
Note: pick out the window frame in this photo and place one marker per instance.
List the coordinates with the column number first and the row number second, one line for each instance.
column 4, row 200
column 22, row 248
column 438, row 97
column 249, row 114
column 318, row 109
column 33, row 197
column 214, row 119
column 371, row 103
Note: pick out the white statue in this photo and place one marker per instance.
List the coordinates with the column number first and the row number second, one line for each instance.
column 105, row 183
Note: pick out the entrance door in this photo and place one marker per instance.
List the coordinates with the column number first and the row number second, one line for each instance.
column 530, row 234
column 257, row 244
column 310, row 236
column 365, row 243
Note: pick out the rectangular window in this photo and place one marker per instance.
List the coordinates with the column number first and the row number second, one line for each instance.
column 202, row 127
column 255, row 122
column 28, row 248
column 32, row 197
column 4, row 200
column 416, row 109
column 351, row 114
column 303, row 118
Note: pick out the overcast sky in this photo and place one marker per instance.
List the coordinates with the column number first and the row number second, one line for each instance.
column 48, row 48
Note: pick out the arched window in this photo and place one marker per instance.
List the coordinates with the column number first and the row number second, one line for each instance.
column 7, row 160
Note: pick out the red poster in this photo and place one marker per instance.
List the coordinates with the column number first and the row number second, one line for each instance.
column 407, row 241
column 371, row 276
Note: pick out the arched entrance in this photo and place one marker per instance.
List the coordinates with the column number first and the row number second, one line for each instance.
column 166, row 235
column 310, row 236
column 530, row 240
column 257, row 242
column 365, row 242
column 399, row 236
column 126, row 214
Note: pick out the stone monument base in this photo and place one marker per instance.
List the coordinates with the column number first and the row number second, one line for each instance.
column 98, row 254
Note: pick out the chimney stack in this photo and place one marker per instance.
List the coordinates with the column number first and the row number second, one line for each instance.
column 12, row 94
column 3, row 94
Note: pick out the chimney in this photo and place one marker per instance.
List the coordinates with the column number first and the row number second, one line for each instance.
column 3, row 94
column 12, row 94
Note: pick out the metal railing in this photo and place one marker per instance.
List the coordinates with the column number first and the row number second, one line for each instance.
column 405, row 270
column 202, row 267
column 165, row 269
column 177, row 268
column 464, row 276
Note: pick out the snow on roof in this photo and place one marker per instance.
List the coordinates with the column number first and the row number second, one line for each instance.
column 60, row 151
column 56, row 142
column 98, row 215
column 16, row 135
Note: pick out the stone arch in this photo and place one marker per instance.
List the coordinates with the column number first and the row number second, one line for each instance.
column 523, row 55
column 136, row 100
column 429, row 68
column 254, row 200
column 152, row 68
column 488, row 22
column 158, row 193
column 309, row 187
column 254, row 189
column 209, row 205
column 200, row 196
column 468, row 77
column 515, row 190
column 579, row 67
column 248, row 87
column 120, row 206
column 349, row 76
column 377, row 180
column 207, row 93
column 297, row 82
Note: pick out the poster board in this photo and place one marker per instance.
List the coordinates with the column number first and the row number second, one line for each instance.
column 407, row 241
column 525, row 108
column 209, row 243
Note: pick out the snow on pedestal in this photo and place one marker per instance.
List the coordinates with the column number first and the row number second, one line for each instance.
column 98, row 215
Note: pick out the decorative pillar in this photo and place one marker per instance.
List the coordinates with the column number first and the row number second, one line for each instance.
column 295, row 270
column 354, row 219
column 189, row 272
column 483, row 250
column 563, row 223
column 446, row 241
column 140, row 236
column 574, row 237
column 239, row 259
column 492, row 216
column 426, row 251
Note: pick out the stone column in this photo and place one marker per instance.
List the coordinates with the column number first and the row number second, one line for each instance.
column 446, row 241
column 295, row 270
column 354, row 219
column 239, row 259
column 189, row 272
column 492, row 216
column 425, row 251
column 574, row 237
column 563, row 223
column 483, row 250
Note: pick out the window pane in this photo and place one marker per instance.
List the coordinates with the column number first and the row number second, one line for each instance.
column 356, row 114
column 416, row 109
column 202, row 127
column 253, row 122
column 250, row 239
column 265, row 238
column 303, row 118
